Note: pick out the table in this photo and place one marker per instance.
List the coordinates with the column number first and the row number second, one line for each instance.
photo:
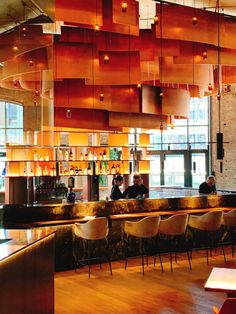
column 222, row 280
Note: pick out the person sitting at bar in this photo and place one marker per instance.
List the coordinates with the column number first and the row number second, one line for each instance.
column 137, row 190
column 116, row 193
column 208, row 186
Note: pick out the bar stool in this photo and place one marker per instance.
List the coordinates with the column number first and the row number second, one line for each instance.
column 143, row 230
column 207, row 226
column 93, row 230
column 172, row 236
column 229, row 224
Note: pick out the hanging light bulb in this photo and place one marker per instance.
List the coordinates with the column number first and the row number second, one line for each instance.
column 204, row 54
column 15, row 48
column 194, row 20
column 101, row 96
column 24, row 31
column 15, row 83
column 36, row 92
column 96, row 28
column 210, row 88
column 161, row 94
column 156, row 19
column 124, row 6
column 31, row 63
column 68, row 113
column 106, row 58
column 139, row 85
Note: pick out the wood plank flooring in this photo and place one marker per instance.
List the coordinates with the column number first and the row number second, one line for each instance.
column 179, row 292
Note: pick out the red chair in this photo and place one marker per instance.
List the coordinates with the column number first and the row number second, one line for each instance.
column 228, row 307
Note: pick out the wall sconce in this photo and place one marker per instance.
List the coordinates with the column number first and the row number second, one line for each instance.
column 194, row 20
column 124, row 6
column 68, row 113
column 96, row 28
column 156, row 19
column 204, row 54
column 106, row 58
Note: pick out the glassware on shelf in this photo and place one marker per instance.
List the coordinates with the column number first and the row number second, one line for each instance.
column 71, row 155
column 35, row 155
column 104, row 155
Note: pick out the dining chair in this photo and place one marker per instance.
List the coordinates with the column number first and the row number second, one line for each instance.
column 228, row 307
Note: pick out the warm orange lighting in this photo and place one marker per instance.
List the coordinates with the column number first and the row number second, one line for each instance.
column 106, row 58
column 204, row 54
column 36, row 92
column 96, row 28
column 101, row 97
column 194, row 20
column 68, row 113
column 139, row 85
column 156, row 19
column 161, row 94
column 124, row 6
column 15, row 48
column 210, row 88
column 31, row 63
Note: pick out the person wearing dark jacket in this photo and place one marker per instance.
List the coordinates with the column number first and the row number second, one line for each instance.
column 208, row 186
column 137, row 190
column 116, row 193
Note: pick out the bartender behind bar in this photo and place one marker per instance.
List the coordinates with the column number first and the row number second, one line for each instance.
column 137, row 190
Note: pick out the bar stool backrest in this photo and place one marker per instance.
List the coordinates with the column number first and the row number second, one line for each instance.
column 95, row 229
column 210, row 221
column 144, row 228
column 174, row 225
column 229, row 218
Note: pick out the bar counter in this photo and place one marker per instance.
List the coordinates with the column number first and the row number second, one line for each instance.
column 61, row 217
column 27, row 271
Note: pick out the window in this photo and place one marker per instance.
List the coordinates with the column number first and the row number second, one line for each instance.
column 11, row 131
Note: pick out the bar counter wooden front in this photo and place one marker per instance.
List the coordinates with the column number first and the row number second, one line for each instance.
column 27, row 271
column 62, row 216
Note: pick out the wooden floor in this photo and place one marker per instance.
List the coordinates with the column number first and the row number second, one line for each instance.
column 179, row 292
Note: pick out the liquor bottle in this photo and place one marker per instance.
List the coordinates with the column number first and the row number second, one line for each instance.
column 122, row 167
column 76, row 170
column 80, row 172
column 117, row 168
column 95, row 156
column 66, row 155
column 97, row 167
column 113, row 169
column 81, row 156
column 131, row 156
column 104, row 155
column 45, row 171
column 90, row 155
column 100, row 156
column 51, row 172
column 71, row 156
column 71, row 170
column 86, row 156
column 89, row 171
column 60, row 154
column 115, row 154
column 24, row 173
column 46, row 157
column 35, row 155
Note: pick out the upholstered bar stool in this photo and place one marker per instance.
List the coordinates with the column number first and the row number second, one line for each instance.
column 229, row 223
column 143, row 230
column 172, row 236
column 93, row 230
column 207, row 226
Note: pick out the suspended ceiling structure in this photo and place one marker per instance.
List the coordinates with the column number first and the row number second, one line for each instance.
column 104, row 65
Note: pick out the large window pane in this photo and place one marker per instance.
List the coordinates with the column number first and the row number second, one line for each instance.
column 174, row 170
column 198, row 137
column 199, row 111
column 2, row 114
column 14, row 116
column 14, row 135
